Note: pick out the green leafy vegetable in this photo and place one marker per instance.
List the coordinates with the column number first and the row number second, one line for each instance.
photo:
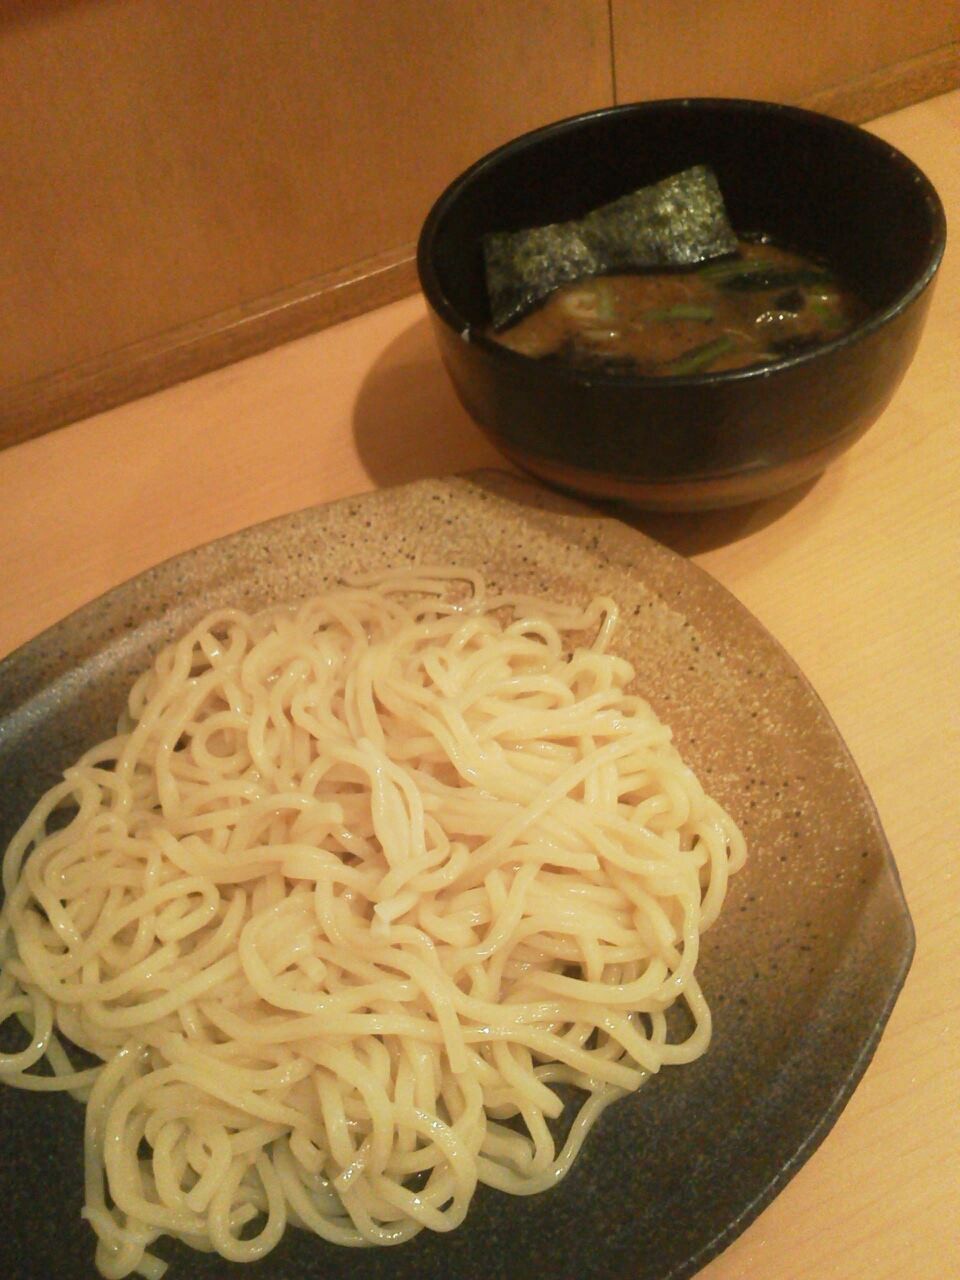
column 681, row 311
column 701, row 357
column 753, row 278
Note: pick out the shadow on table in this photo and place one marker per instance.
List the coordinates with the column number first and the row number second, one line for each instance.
column 409, row 425
column 692, row 532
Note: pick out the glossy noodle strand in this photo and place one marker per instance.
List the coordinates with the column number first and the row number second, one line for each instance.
column 356, row 888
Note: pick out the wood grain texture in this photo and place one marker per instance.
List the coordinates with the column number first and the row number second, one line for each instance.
column 889, row 89
column 857, row 575
column 117, row 377
column 31, row 408
column 187, row 185
column 165, row 164
column 775, row 49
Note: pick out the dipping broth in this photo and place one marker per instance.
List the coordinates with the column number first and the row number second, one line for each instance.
column 753, row 308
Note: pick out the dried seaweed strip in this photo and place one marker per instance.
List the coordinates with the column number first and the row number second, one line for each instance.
column 679, row 222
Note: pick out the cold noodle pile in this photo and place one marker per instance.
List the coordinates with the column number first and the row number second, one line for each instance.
column 356, row 883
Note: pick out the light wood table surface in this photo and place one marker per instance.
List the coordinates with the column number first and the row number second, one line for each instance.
column 858, row 576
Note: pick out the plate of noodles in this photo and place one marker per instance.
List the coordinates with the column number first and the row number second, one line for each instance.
column 449, row 881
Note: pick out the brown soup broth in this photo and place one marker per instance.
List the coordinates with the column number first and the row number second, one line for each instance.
column 751, row 308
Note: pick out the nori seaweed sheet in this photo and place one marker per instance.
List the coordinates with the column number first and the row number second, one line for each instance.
column 678, row 222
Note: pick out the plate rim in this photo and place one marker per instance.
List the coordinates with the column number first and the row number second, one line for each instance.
column 51, row 642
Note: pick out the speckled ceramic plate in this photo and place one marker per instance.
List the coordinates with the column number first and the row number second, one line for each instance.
column 802, row 970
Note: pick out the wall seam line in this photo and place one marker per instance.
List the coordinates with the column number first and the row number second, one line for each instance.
column 613, row 54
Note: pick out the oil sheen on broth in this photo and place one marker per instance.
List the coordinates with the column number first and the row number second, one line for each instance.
column 763, row 304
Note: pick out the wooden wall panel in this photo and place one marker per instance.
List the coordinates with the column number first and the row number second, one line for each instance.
column 163, row 163
column 184, row 184
column 787, row 50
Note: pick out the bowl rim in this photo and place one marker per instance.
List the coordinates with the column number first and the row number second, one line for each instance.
column 554, row 371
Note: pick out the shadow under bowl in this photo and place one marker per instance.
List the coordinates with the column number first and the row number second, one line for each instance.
column 813, row 183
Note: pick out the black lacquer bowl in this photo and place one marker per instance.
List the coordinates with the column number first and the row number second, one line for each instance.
column 811, row 182
column 801, row 970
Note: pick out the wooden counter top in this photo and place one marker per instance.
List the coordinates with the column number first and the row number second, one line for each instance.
column 858, row 576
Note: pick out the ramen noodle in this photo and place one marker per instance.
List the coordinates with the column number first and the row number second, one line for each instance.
column 357, row 885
